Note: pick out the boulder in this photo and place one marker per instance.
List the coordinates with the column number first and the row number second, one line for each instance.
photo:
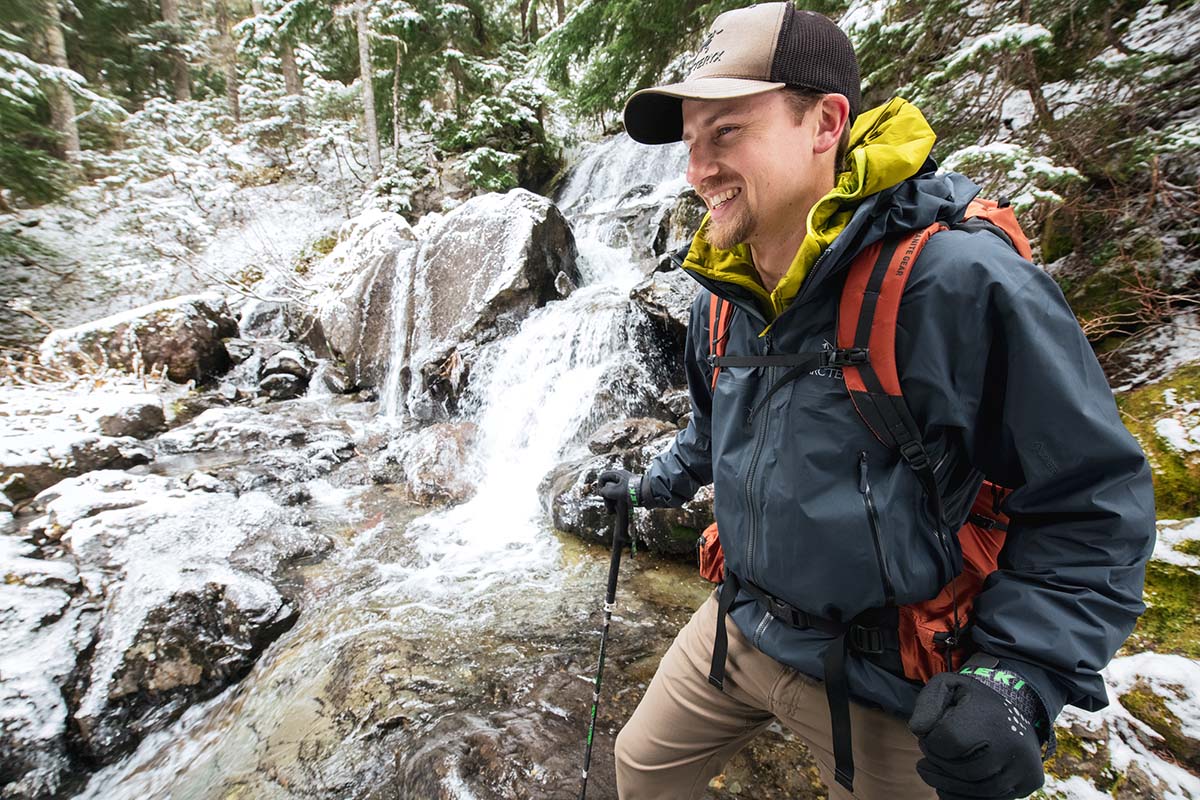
column 289, row 361
column 626, row 433
column 569, row 495
column 31, row 462
column 677, row 222
column 666, row 299
column 353, row 288
column 182, row 335
column 282, row 386
column 481, row 270
column 43, row 634
column 184, row 578
column 138, row 416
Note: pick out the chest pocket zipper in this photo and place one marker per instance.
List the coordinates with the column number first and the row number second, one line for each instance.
column 864, row 487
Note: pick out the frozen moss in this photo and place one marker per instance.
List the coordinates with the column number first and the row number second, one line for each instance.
column 1151, row 708
column 1171, row 623
column 1176, row 474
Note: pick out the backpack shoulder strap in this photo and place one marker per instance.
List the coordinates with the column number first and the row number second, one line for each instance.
column 719, row 311
column 867, row 314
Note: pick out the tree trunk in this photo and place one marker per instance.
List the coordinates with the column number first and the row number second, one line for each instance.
column 180, row 74
column 561, row 8
column 291, row 74
column 533, row 21
column 368, row 86
column 523, row 8
column 62, row 105
column 228, row 61
column 396, row 104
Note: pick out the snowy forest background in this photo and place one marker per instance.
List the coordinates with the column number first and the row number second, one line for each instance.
column 235, row 581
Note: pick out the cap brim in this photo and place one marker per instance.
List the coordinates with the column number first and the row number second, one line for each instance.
column 655, row 116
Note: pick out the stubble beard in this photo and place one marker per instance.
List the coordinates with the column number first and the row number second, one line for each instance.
column 728, row 233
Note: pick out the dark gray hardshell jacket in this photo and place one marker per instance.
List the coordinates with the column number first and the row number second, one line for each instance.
column 1003, row 382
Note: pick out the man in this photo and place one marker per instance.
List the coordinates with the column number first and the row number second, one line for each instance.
column 823, row 526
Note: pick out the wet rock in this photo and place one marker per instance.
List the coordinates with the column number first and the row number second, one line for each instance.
column 336, row 380
column 569, row 495
column 185, row 582
column 289, row 362
column 282, row 386
column 626, row 433
column 353, row 291
column 678, row 222
column 31, row 462
column 138, row 417
column 239, row 349
column 666, row 300
column 481, row 270
column 677, row 405
column 42, row 636
column 182, row 335
column 431, row 465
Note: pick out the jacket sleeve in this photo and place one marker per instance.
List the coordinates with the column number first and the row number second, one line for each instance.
column 675, row 475
column 1082, row 525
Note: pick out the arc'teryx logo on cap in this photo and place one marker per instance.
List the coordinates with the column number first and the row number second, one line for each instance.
column 702, row 60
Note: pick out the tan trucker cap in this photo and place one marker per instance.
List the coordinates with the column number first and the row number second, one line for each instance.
column 749, row 51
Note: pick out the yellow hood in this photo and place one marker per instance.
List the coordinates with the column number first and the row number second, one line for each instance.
column 888, row 144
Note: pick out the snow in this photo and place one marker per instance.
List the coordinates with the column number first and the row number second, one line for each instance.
column 1172, row 533
column 1010, row 37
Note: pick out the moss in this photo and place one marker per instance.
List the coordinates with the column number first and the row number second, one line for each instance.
column 1151, row 708
column 1190, row 547
column 324, row 246
column 1171, row 623
column 1058, row 237
column 1176, row 475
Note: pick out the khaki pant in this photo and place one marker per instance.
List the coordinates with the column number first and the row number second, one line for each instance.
column 684, row 730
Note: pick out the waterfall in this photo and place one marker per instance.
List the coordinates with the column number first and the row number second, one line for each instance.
column 534, row 391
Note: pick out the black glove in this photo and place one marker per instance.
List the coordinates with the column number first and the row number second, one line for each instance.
column 978, row 729
column 619, row 483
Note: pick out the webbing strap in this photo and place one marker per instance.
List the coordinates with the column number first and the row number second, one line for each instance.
column 837, row 692
column 725, row 598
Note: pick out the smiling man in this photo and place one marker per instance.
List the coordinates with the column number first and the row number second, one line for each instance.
column 919, row 628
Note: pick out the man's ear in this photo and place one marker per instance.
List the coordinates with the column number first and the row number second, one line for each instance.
column 831, row 115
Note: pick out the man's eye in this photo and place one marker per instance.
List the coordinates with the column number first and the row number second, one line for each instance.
column 724, row 129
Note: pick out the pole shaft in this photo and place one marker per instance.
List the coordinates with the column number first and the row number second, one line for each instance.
column 620, row 535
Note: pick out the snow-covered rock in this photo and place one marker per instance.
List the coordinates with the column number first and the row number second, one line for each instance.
column 183, row 580
column 30, row 462
column 181, row 335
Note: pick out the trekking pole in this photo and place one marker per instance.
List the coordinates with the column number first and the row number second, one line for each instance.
column 619, row 536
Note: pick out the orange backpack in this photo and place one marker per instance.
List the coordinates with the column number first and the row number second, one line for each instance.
column 930, row 632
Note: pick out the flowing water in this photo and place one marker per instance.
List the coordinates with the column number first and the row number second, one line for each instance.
column 449, row 654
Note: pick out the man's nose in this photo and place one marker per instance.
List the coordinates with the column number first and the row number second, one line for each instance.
column 701, row 165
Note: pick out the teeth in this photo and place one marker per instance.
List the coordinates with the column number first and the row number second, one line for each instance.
column 718, row 200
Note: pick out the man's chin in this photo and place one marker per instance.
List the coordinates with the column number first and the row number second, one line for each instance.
column 726, row 235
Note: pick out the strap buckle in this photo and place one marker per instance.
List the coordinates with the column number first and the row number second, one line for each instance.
column 786, row 613
column 914, row 453
column 868, row 641
column 848, row 357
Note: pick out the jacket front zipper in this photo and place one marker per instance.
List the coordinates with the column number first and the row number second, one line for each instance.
column 759, row 441
column 864, row 487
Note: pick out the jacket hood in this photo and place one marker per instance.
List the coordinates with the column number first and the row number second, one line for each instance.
column 889, row 145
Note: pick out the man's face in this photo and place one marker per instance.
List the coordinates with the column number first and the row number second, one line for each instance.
column 752, row 162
